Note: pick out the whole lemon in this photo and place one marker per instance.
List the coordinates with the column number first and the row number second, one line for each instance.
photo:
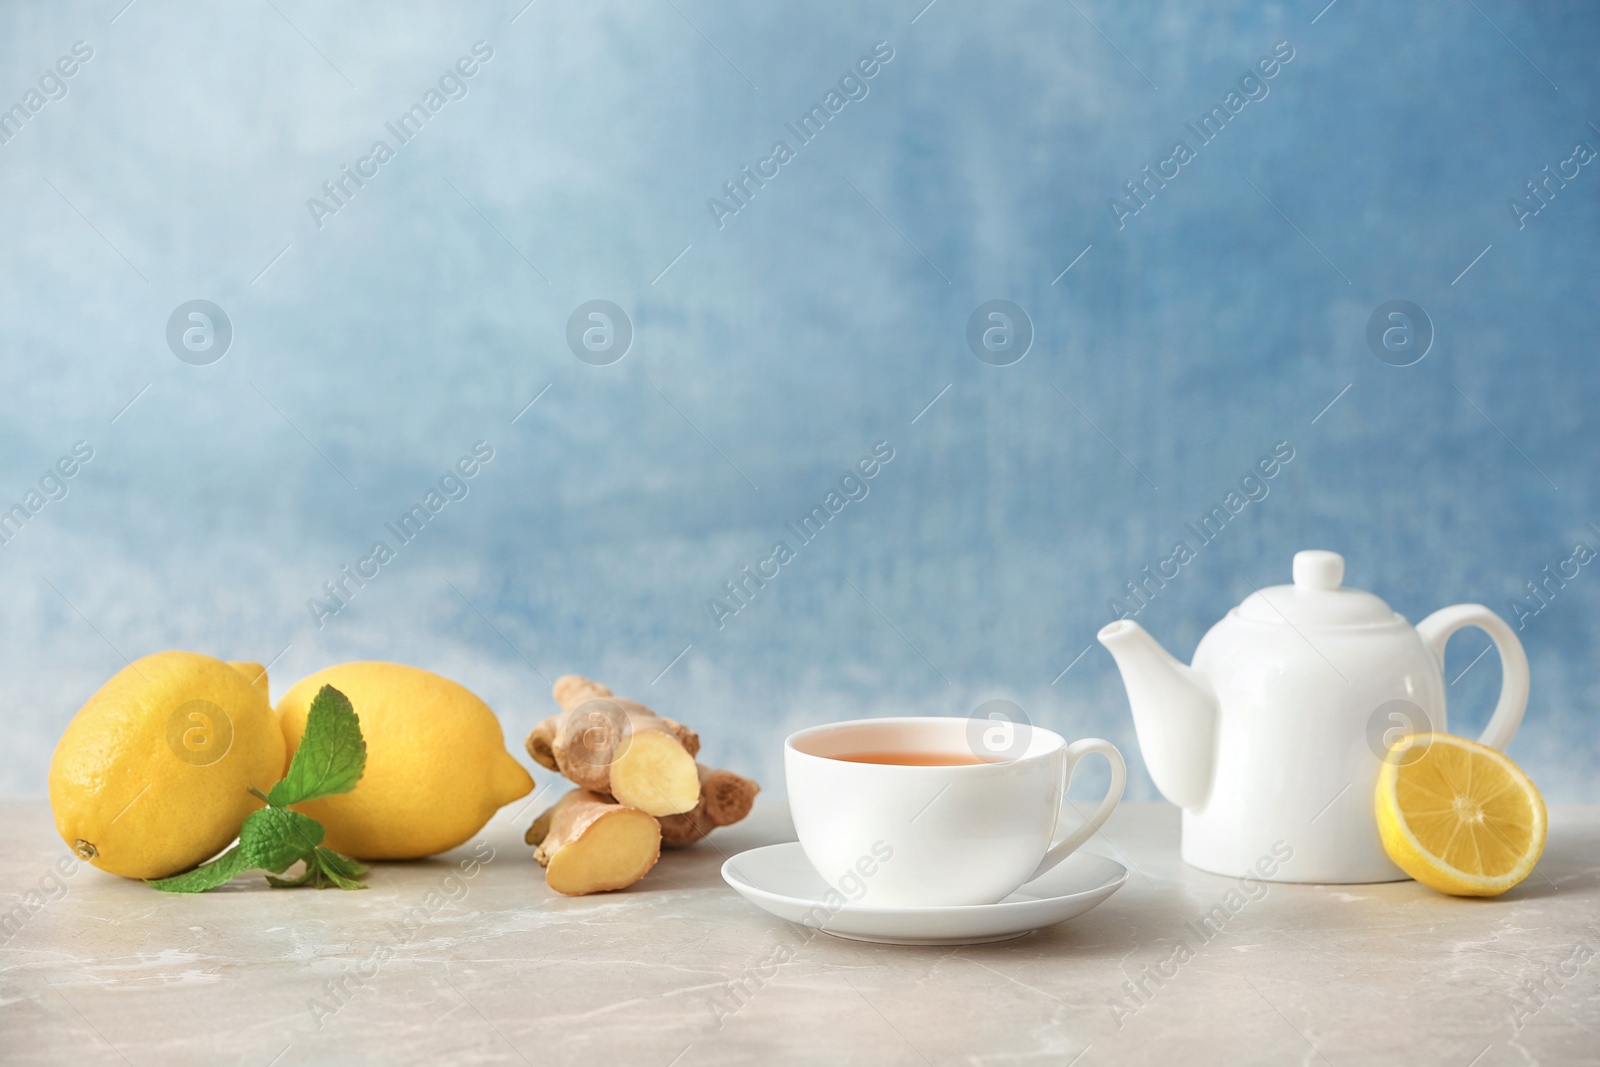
column 437, row 765
column 153, row 774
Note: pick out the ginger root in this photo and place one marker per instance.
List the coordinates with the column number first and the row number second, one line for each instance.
column 639, row 788
column 725, row 798
column 619, row 748
column 589, row 844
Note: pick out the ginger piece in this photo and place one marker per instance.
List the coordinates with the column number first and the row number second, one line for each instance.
column 725, row 798
column 655, row 774
column 618, row 748
column 588, row 844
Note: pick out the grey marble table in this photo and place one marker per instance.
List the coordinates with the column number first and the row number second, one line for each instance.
column 469, row 958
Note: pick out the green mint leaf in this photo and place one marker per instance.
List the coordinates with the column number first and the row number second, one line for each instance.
column 206, row 876
column 341, row 865
column 332, row 754
column 291, row 883
column 274, row 839
column 343, row 871
column 324, row 869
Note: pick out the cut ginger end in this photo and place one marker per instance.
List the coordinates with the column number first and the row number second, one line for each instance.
column 615, row 851
column 656, row 774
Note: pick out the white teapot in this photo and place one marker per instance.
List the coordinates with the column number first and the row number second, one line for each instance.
column 1271, row 742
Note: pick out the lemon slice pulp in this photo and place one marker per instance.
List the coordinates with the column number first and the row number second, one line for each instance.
column 1458, row 816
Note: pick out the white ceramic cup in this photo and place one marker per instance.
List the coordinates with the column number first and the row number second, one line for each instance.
column 894, row 836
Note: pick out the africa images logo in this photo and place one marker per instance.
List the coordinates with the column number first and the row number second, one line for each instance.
column 452, row 85
column 52, row 87
column 852, row 487
column 852, row 86
column 1252, row 87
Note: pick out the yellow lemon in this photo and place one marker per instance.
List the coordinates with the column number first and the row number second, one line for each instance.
column 153, row 774
column 256, row 673
column 437, row 765
column 1458, row 816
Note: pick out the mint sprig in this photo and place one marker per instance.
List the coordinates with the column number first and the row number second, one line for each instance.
column 330, row 760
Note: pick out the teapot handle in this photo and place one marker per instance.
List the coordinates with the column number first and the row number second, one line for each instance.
column 1435, row 632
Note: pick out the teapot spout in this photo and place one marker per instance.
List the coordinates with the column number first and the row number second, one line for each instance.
column 1174, row 713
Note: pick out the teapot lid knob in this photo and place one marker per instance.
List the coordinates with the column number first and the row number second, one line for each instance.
column 1318, row 569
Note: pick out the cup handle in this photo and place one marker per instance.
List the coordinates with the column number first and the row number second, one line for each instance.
column 1119, row 778
column 1435, row 631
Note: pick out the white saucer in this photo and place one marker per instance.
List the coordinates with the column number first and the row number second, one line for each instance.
column 779, row 879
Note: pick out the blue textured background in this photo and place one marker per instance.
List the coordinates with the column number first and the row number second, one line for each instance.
column 820, row 319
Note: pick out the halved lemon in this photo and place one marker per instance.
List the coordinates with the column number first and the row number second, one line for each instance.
column 1458, row 816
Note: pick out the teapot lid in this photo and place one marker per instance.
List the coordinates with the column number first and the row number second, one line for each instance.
column 1316, row 599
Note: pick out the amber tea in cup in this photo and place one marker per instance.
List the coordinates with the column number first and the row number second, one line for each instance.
column 904, row 758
